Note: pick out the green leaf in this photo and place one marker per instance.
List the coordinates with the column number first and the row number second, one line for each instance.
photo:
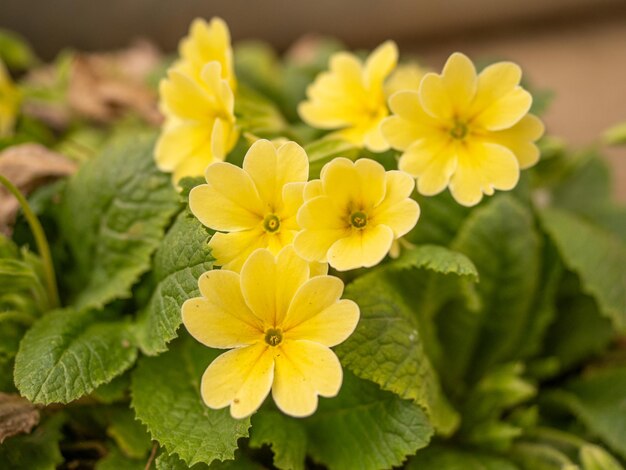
column 166, row 398
column 68, row 354
column 593, row 457
column 501, row 240
column 439, row 259
column 38, row 450
column 129, row 434
column 258, row 115
column 241, row 462
column 597, row 256
column 599, row 401
column 15, row 51
column 364, row 427
column 445, row 458
column 323, row 150
column 387, row 346
column 616, row 135
column 183, row 256
column 532, row 456
column 441, row 218
column 113, row 213
column 113, row 391
column 116, row 460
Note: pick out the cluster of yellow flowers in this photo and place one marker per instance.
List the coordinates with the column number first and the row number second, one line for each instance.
column 273, row 303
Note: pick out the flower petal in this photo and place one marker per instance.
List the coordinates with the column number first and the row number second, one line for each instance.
column 356, row 185
column 269, row 283
column 232, row 249
column 483, row 167
column 362, row 248
column 506, row 111
column 241, row 378
column 494, row 82
column 313, row 245
column 322, row 213
column 380, row 63
column 313, row 189
column 519, row 139
column 229, row 201
column 434, row 97
column 432, row 161
column 459, row 79
column 184, row 97
column 303, row 371
column 178, row 141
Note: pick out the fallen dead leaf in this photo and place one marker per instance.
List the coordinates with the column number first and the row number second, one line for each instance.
column 17, row 415
column 28, row 166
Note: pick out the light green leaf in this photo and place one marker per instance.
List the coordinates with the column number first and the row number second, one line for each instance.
column 439, row 259
column 166, row 398
column 182, row 257
column 258, row 115
column 445, row 458
column 387, row 347
column 286, row 436
column 15, row 52
column 38, row 450
column 323, row 150
column 532, row 456
column 616, row 135
column 113, row 213
column 593, row 457
column 596, row 255
column 67, row 354
column 599, row 400
column 501, row 240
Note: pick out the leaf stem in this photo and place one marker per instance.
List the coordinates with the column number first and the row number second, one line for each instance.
column 40, row 240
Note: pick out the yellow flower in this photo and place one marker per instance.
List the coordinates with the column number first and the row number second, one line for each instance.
column 256, row 205
column 10, row 99
column 279, row 323
column 404, row 77
column 200, row 126
column 351, row 97
column 207, row 42
column 466, row 132
column 353, row 213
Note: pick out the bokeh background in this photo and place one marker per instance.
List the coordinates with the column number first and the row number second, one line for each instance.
column 576, row 48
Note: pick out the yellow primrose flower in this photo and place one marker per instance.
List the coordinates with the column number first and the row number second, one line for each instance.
column 353, row 213
column 200, row 127
column 279, row 323
column 10, row 98
column 207, row 42
column 404, row 77
column 471, row 133
column 255, row 205
column 350, row 97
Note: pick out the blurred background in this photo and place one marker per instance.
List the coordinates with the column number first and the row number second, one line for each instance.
column 575, row 48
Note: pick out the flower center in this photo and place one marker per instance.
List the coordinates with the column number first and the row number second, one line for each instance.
column 358, row 219
column 459, row 130
column 273, row 336
column 271, row 223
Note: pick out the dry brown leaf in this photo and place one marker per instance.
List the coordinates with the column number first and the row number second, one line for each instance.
column 17, row 415
column 28, row 166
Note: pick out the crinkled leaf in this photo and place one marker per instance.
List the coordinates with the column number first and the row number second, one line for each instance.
column 113, row 214
column 387, row 346
column 166, row 398
column 501, row 240
column 172, row 462
column 447, row 458
column 364, row 427
column 182, row 257
column 596, row 255
column 439, row 259
column 38, row 450
column 68, row 354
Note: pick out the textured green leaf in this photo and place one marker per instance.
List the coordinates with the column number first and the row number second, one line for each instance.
column 68, row 354
column 596, row 255
column 439, row 259
column 363, row 427
column 444, row 458
column 113, row 391
column 241, row 462
column 166, row 398
column 501, row 240
column 387, row 347
column 113, row 213
column 38, row 450
column 181, row 258
column 599, row 401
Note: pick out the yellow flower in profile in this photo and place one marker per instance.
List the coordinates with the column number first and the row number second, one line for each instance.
column 471, row 133
column 255, row 205
column 353, row 213
column 207, row 42
column 351, row 97
column 200, row 126
column 10, row 98
column 279, row 323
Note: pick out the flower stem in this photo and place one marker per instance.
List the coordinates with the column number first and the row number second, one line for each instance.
column 40, row 240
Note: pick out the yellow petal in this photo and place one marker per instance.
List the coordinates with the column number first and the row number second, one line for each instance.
column 293, row 198
column 218, row 91
column 362, row 248
column 229, row 201
column 322, row 213
column 494, row 82
column 313, row 245
column 269, row 283
column 459, row 79
column 231, row 250
column 482, row 168
column 358, row 185
column 506, row 111
column 380, row 63
column 317, row 314
column 313, row 189
column 434, row 97
column 404, row 77
column 432, row 162
column 318, row 269
column 241, row 378
column 374, row 140
column 519, row 139
column 397, row 211
column 178, row 141
column 184, row 97
column 271, row 169
column 303, row 371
